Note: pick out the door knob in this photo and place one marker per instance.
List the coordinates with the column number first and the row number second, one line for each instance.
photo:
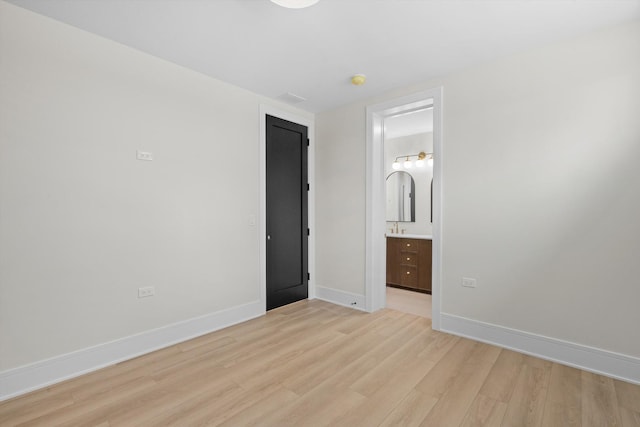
column 268, row 237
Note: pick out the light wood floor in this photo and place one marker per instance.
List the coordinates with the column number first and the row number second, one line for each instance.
column 314, row 364
column 409, row 302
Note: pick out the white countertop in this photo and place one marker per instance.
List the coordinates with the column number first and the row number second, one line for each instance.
column 410, row 236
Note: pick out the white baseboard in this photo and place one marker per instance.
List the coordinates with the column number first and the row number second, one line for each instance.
column 24, row 379
column 590, row 359
column 336, row 296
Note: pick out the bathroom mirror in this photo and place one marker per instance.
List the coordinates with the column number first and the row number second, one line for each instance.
column 401, row 205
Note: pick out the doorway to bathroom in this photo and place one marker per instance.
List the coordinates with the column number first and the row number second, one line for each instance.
column 402, row 219
column 408, row 171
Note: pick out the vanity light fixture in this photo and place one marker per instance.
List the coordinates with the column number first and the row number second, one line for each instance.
column 408, row 164
column 295, row 4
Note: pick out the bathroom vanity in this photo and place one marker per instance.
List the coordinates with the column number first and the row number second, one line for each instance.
column 409, row 262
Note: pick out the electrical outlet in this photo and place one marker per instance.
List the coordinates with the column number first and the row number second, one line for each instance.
column 147, row 291
column 144, row 155
column 468, row 282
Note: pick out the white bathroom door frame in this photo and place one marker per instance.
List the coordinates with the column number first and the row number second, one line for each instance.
column 375, row 262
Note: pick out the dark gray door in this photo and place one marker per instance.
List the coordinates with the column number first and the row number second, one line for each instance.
column 287, row 235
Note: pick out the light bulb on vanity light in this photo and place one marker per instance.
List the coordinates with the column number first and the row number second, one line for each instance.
column 396, row 165
column 407, row 164
column 419, row 163
column 295, row 4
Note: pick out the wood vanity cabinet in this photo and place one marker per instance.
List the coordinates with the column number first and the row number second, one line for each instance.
column 409, row 264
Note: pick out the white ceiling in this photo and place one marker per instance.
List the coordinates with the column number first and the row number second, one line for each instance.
column 313, row 52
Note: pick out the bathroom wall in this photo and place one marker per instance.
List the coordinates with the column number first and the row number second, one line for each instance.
column 413, row 144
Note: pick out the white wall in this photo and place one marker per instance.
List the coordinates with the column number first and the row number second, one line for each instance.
column 83, row 224
column 413, row 144
column 340, row 199
column 541, row 200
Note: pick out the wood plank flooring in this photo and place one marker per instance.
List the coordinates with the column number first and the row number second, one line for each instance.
column 409, row 302
column 316, row 364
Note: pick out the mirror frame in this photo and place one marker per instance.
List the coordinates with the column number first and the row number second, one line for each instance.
column 398, row 202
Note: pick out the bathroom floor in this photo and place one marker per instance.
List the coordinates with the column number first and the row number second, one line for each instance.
column 409, row 302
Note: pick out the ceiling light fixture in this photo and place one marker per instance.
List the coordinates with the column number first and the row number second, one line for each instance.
column 295, row 4
column 358, row 79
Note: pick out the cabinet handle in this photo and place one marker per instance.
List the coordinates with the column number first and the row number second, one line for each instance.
column 408, row 259
column 408, row 272
column 408, row 245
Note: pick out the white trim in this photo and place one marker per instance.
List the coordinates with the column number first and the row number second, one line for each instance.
column 339, row 297
column 270, row 110
column 375, row 247
column 375, row 258
column 615, row 365
column 31, row 377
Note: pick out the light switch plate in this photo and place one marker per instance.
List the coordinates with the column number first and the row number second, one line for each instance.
column 468, row 282
column 144, row 155
column 147, row 291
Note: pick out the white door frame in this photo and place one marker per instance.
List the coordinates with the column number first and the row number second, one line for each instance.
column 375, row 262
column 311, row 211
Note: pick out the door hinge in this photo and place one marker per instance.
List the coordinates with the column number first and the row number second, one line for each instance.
column 307, row 142
column 307, row 186
column 308, row 276
column 308, row 231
